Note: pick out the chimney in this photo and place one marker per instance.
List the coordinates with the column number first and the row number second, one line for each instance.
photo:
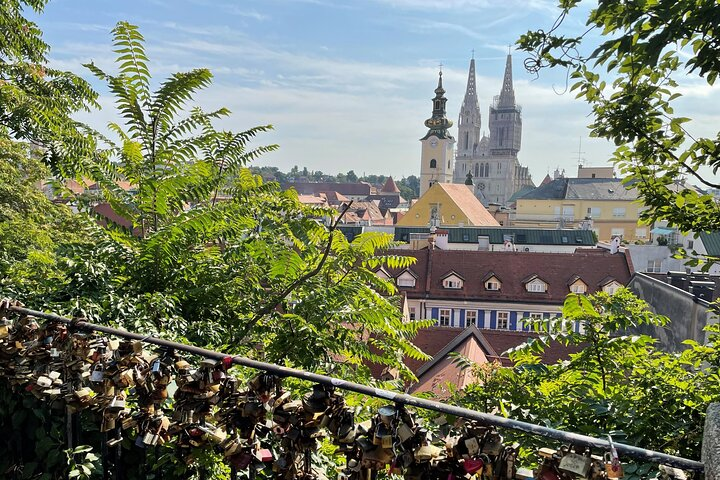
column 442, row 239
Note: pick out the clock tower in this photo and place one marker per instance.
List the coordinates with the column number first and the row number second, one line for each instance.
column 438, row 153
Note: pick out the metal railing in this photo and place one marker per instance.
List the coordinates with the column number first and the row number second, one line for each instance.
column 399, row 398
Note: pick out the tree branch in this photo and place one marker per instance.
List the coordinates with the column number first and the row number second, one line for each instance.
column 269, row 306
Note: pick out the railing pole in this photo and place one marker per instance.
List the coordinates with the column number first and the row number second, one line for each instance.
column 401, row 398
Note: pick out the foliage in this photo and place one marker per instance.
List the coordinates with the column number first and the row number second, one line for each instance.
column 82, row 462
column 36, row 101
column 214, row 257
column 615, row 384
column 630, row 81
column 35, row 233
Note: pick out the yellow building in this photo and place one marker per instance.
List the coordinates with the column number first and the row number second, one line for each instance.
column 602, row 204
column 447, row 205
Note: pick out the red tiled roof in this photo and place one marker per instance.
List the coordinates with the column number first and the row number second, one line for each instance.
column 593, row 266
column 434, row 339
column 354, row 189
column 390, row 186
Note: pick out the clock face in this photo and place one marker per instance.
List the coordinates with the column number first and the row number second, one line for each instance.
column 433, row 142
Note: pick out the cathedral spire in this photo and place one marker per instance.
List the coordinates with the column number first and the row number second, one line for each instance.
column 470, row 92
column 507, row 94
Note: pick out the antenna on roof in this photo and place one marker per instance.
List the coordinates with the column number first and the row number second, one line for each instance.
column 580, row 153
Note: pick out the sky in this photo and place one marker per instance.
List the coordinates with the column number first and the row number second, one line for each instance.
column 348, row 84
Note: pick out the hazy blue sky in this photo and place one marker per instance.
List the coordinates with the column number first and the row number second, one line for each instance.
column 347, row 84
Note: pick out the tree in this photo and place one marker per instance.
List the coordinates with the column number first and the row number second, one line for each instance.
column 35, row 233
column 219, row 259
column 36, row 101
column 645, row 48
column 351, row 176
column 616, row 384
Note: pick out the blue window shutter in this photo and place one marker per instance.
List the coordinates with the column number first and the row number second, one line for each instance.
column 493, row 319
column 513, row 320
column 462, row 317
column 481, row 319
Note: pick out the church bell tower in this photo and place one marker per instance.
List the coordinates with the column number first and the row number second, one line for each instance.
column 437, row 158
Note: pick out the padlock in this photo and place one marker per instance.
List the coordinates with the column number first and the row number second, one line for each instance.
column 97, row 373
column 613, row 467
column 117, row 404
column 472, row 445
column 575, row 463
column 404, row 432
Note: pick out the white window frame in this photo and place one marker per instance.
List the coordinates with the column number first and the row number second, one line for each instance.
column 505, row 319
column 654, row 266
column 493, row 281
column 535, row 316
column 617, row 232
column 578, row 287
column 612, row 287
column 594, row 212
column 471, row 313
column 641, row 232
column 405, row 279
column 411, row 311
column 444, row 317
column 452, row 282
column 536, row 286
column 619, row 212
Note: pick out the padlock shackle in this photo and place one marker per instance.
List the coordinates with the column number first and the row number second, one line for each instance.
column 398, row 398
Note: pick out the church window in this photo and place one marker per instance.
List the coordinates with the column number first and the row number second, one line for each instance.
column 437, row 104
column 467, row 140
column 433, row 163
column 448, row 164
column 476, row 170
column 499, row 168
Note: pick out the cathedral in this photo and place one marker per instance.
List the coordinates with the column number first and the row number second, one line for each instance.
column 487, row 163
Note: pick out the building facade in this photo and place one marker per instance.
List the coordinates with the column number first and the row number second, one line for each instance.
column 498, row 290
column 602, row 205
column 491, row 161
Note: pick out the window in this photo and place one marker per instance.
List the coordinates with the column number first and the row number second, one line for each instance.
column 617, row 232
column 493, row 284
column 536, row 316
column 412, row 313
column 470, row 317
column 690, row 243
column 433, row 163
column 536, row 286
column 619, row 212
column 654, row 266
column 503, row 320
column 452, row 282
column 641, row 232
column 578, row 287
column 568, row 211
column 611, row 287
column 593, row 212
column 406, row 279
column 444, row 317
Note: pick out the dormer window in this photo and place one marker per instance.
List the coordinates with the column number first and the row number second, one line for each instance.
column 576, row 285
column 612, row 287
column 406, row 279
column 535, row 284
column 493, row 284
column 383, row 274
column 452, row 281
